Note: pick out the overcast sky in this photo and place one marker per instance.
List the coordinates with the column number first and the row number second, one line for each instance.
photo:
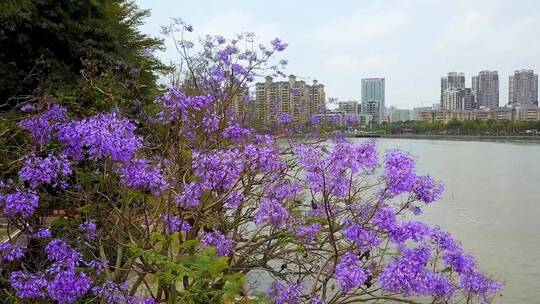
column 411, row 43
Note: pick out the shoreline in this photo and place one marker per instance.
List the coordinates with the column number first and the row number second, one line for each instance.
column 529, row 139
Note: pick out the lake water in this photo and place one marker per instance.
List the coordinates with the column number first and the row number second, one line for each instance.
column 491, row 204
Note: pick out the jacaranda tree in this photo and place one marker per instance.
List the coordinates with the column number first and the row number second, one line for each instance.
column 188, row 205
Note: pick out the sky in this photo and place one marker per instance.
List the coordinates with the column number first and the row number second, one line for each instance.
column 411, row 43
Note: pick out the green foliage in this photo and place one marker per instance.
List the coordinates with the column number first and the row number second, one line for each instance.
column 199, row 275
column 87, row 52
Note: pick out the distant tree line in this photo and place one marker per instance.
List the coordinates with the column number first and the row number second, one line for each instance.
column 467, row 127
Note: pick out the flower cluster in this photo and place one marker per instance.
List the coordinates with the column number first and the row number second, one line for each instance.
column 282, row 293
column 363, row 238
column 333, row 173
column 112, row 293
column 348, row 272
column 21, row 203
column 100, row 136
column 89, row 230
column 218, row 170
column 223, row 244
column 10, row 253
column 176, row 105
column 61, row 281
column 43, row 125
column 400, row 173
column 307, row 233
column 174, row 223
column 37, row 170
column 137, row 173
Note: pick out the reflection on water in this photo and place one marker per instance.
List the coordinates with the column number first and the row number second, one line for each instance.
column 491, row 204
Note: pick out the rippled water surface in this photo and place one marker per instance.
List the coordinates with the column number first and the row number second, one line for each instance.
column 491, row 204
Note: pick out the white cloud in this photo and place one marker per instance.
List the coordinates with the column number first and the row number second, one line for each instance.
column 228, row 24
column 363, row 27
column 232, row 22
column 374, row 63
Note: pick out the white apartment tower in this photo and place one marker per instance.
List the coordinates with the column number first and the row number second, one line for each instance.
column 373, row 97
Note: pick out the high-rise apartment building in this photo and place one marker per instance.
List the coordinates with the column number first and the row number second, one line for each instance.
column 474, row 86
column 451, row 80
column 523, row 88
column 293, row 97
column 349, row 107
column 458, row 99
column 373, row 97
column 487, row 89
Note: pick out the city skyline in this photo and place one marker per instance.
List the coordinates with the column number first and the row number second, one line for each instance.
column 411, row 43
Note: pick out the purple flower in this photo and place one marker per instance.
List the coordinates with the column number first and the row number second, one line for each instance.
column 220, row 39
column 263, row 155
column 217, row 75
column 459, row 261
column 236, row 132
column 350, row 120
column 190, row 196
column 278, row 45
column 282, row 293
column 113, row 293
column 365, row 239
column 139, row 174
column 99, row 136
column 273, row 212
column 407, row 274
column 477, row 283
column 98, row 265
column 333, row 173
column 385, row 218
column 177, row 105
column 88, row 229
column 43, row 233
column 427, row 190
column 210, row 123
column 62, row 254
column 307, row 233
column 225, row 54
column 238, row 69
column 409, row 230
column 174, row 223
column 10, row 252
column 219, row 170
column 68, row 286
column 48, row 170
column 314, row 120
column 22, row 203
column 284, row 119
column 223, row 244
column 28, row 108
column 365, row 155
column 41, row 126
column 348, row 273
column 399, row 170
column 28, row 286
column 233, row 199
column 439, row 286
column 316, row 300
column 443, row 239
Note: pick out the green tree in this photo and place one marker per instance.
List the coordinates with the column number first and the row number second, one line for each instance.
column 59, row 48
